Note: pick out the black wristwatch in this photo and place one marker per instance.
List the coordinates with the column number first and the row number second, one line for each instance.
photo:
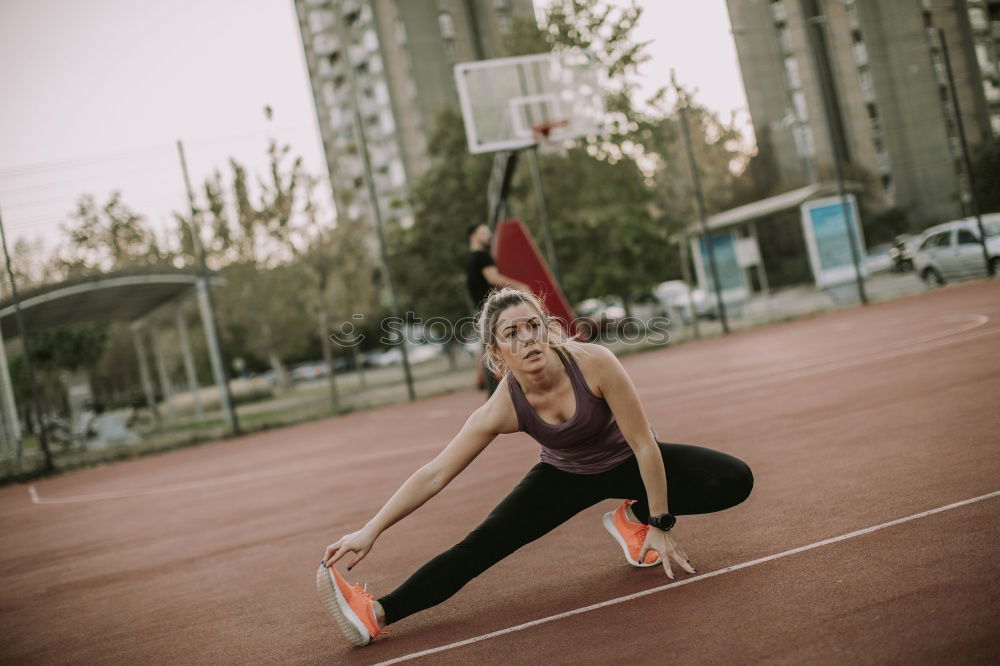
column 664, row 521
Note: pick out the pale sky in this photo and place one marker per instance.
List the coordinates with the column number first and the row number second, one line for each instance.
column 95, row 94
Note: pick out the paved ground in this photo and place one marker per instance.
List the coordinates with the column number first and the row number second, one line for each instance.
column 849, row 420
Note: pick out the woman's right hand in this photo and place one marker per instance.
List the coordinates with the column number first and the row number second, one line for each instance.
column 359, row 542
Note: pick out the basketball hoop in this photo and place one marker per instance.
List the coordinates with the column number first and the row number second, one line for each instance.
column 544, row 140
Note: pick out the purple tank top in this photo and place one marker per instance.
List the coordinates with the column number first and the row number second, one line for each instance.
column 589, row 443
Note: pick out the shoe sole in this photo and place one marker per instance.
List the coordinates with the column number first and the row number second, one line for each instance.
column 348, row 621
column 609, row 525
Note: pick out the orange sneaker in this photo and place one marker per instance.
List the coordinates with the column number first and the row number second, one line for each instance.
column 630, row 536
column 351, row 607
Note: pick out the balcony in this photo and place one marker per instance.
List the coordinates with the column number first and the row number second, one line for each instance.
column 860, row 54
column 778, row 11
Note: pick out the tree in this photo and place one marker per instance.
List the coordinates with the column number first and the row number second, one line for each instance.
column 606, row 31
column 428, row 258
column 606, row 240
column 108, row 237
column 254, row 241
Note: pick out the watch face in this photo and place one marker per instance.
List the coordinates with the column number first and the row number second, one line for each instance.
column 664, row 522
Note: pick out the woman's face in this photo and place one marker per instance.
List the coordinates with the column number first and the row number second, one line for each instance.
column 521, row 338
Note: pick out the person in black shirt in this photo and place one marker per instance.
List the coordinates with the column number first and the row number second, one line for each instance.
column 482, row 275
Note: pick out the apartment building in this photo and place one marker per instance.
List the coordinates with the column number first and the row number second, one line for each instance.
column 400, row 54
column 892, row 112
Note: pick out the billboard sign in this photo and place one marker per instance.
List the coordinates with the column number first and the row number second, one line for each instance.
column 827, row 240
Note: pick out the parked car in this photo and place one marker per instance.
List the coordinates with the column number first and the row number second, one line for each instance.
column 674, row 296
column 596, row 315
column 416, row 353
column 952, row 251
column 308, row 371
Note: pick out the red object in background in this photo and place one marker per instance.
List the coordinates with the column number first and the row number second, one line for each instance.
column 517, row 256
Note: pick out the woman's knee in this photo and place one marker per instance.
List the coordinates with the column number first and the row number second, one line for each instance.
column 739, row 481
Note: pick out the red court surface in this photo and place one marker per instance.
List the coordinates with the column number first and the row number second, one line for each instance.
column 849, row 420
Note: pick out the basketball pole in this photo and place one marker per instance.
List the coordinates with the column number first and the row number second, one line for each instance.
column 682, row 102
column 543, row 213
column 965, row 151
column 372, row 194
column 814, row 21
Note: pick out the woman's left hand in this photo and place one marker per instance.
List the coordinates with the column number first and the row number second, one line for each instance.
column 665, row 543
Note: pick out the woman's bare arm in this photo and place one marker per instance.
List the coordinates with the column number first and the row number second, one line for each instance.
column 623, row 399
column 495, row 417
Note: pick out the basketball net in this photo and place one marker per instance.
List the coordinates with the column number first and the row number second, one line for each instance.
column 546, row 143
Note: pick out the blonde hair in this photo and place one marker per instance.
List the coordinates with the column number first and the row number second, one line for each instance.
column 501, row 299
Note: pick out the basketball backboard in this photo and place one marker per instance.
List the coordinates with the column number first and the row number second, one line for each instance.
column 507, row 103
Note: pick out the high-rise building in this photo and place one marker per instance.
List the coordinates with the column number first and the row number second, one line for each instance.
column 892, row 112
column 401, row 54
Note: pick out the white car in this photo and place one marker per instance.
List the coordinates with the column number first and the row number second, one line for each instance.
column 674, row 296
column 952, row 251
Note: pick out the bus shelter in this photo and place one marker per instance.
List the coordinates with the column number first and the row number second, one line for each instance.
column 733, row 235
column 147, row 299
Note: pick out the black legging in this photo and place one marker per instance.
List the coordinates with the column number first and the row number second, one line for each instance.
column 699, row 480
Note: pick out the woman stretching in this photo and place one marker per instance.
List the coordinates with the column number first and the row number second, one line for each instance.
column 579, row 403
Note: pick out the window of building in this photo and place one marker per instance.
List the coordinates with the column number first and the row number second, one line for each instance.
column 792, row 72
column 446, row 25
column 995, row 123
column 991, row 90
column 977, row 18
column 867, row 85
column 324, row 44
column 784, row 39
column 882, row 161
column 983, row 56
column 872, row 111
column 801, row 109
column 778, row 12
column 320, row 19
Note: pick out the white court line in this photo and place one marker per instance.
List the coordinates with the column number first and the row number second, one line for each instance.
column 688, row 581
